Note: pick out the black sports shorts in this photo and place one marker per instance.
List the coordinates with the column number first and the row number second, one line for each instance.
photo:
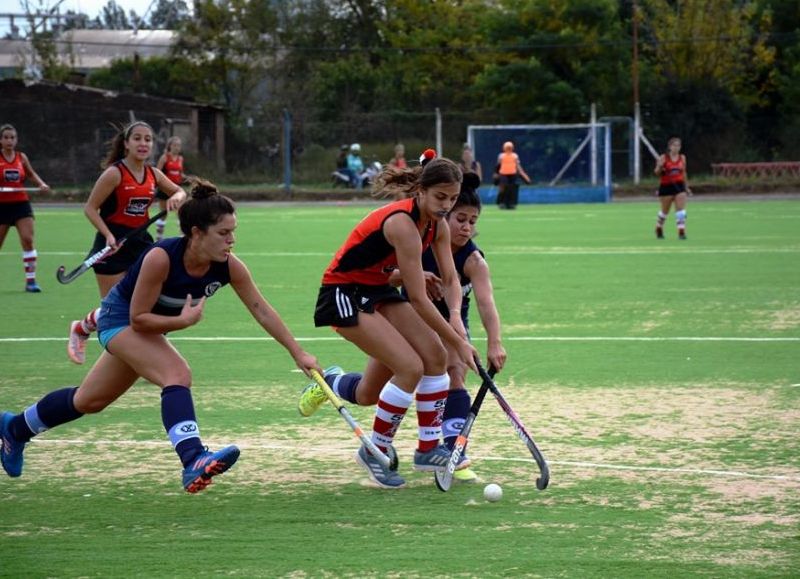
column 126, row 256
column 12, row 212
column 338, row 305
column 671, row 189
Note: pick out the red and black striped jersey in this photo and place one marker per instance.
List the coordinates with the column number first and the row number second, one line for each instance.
column 367, row 257
column 128, row 204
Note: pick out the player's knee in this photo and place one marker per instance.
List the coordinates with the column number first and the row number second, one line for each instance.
column 411, row 371
column 181, row 374
column 435, row 360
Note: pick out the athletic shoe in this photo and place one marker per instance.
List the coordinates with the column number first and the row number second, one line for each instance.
column 435, row 459
column 197, row 476
column 681, row 235
column 76, row 345
column 465, row 475
column 32, row 287
column 385, row 478
column 659, row 233
column 313, row 396
column 463, row 462
column 10, row 449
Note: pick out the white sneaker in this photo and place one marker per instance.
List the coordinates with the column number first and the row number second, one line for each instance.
column 76, row 346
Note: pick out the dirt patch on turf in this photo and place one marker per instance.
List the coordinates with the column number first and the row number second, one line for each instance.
column 784, row 319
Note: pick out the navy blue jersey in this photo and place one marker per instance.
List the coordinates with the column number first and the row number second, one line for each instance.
column 459, row 258
column 178, row 283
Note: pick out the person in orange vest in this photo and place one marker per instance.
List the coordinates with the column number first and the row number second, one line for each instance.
column 508, row 168
column 673, row 187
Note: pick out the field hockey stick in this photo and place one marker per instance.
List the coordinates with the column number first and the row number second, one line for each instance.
column 388, row 460
column 17, row 189
column 444, row 478
column 95, row 257
column 544, row 469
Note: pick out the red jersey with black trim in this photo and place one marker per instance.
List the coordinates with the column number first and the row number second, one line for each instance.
column 673, row 171
column 129, row 203
column 173, row 168
column 12, row 174
column 367, row 257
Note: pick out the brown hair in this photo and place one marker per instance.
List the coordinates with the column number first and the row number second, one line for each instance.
column 116, row 149
column 7, row 127
column 402, row 183
column 204, row 208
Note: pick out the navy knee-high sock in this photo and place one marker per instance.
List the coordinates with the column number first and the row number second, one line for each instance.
column 455, row 413
column 177, row 413
column 54, row 409
column 345, row 386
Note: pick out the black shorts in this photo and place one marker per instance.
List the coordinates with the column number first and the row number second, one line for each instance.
column 161, row 196
column 671, row 189
column 338, row 305
column 12, row 212
column 127, row 255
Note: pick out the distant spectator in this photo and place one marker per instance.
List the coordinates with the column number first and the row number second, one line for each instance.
column 355, row 165
column 508, row 168
column 399, row 159
column 468, row 163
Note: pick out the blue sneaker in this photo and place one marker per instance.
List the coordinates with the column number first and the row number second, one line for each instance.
column 32, row 287
column 382, row 476
column 197, row 476
column 313, row 396
column 10, row 450
column 433, row 460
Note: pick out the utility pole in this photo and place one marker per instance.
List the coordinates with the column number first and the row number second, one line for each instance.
column 637, row 121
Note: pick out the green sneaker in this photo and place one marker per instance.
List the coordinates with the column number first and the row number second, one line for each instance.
column 313, row 396
column 466, row 475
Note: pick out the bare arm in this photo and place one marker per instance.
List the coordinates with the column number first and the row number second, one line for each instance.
column 103, row 188
column 402, row 233
column 26, row 164
column 522, row 172
column 659, row 165
column 451, row 287
column 269, row 319
column 153, row 274
column 477, row 270
column 162, row 160
column 176, row 195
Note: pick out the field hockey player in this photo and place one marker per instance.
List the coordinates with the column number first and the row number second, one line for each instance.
column 402, row 336
column 164, row 291
column 15, row 206
column 119, row 203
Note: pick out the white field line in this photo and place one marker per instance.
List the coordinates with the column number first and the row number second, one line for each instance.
column 478, row 338
column 511, row 251
column 346, row 451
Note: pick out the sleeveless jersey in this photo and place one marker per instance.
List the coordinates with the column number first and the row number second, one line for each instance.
column 12, row 174
column 508, row 163
column 129, row 203
column 173, row 168
column 673, row 171
column 178, row 283
column 460, row 258
column 367, row 257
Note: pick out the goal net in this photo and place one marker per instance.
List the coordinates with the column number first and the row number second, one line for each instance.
column 566, row 163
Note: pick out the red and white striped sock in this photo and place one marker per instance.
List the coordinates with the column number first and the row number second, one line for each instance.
column 431, row 400
column 29, row 261
column 89, row 323
column 392, row 406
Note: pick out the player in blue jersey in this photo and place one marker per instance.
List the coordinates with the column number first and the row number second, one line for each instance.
column 473, row 273
column 164, row 291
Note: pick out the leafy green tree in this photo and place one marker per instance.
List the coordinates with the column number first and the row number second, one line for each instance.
column 157, row 76
column 169, row 14
column 112, row 17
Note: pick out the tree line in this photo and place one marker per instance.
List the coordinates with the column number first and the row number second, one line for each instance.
column 723, row 74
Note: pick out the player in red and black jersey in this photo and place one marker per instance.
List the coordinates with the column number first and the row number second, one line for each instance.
column 171, row 164
column 119, row 203
column 673, row 187
column 402, row 337
column 15, row 208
